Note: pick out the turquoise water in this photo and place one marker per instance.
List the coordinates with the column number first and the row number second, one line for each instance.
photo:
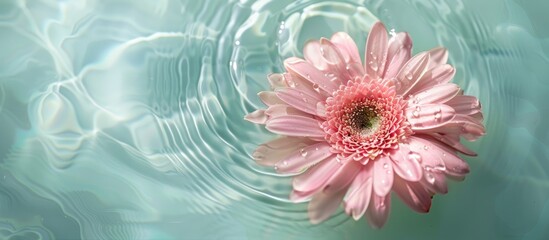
column 123, row 119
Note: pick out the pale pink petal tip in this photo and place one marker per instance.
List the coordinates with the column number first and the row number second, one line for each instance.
column 353, row 132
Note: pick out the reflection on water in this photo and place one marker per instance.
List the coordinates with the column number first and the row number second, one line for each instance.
column 125, row 121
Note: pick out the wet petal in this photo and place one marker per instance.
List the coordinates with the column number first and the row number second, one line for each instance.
column 407, row 167
column 297, row 126
column 452, row 140
column 411, row 73
column 269, row 153
column 429, row 116
column 279, row 110
column 335, row 60
column 303, row 158
column 376, row 51
column 257, row 116
column 307, row 71
column 382, row 176
column 438, row 157
column 399, row 52
column 440, row 74
column 311, row 52
column 437, row 94
column 323, row 205
column 269, row 98
column 347, row 47
column 378, row 211
column 358, row 195
column 438, row 55
column 343, row 177
column 316, row 177
column 277, row 81
column 331, row 53
column 466, row 105
column 299, row 197
column 413, row 194
column 435, row 182
column 299, row 100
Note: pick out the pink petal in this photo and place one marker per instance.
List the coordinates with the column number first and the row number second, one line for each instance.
column 269, row 153
column 323, row 205
column 299, row 100
column 277, row 81
column 316, row 177
column 307, row 71
column 299, row 197
column 411, row 73
column 270, row 98
column 304, row 85
column 358, row 195
column 257, row 116
column 429, row 116
column 279, row 110
column 436, row 94
column 405, row 166
column 438, row 55
column 413, row 194
column 438, row 157
column 330, row 52
column 435, row 182
column 463, row 125
column 311, row 52
column 452, row 140
column 303, row 158
column 376, row 51
column 399, row 52
column 297, row 126
column 335, row 60
column 343, row 177
column 378, row 211
column 466, row 105
column 382, row 176
column 437, row 75
column 347, row 47
column 321, row 109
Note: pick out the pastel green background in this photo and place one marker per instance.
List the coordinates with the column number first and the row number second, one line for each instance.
column 123, row 119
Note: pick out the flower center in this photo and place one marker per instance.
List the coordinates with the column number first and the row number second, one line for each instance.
column 363, row 120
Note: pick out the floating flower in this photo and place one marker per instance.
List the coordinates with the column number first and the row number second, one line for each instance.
column 353, row 133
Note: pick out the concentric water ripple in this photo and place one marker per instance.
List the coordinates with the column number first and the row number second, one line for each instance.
column 124, row 120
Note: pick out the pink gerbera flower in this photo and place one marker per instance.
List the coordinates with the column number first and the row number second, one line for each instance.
column 353, row 133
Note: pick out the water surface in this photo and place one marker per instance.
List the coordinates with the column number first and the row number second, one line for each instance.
column 124, row 120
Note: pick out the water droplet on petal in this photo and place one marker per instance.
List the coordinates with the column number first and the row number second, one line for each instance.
column 316, row 87
column 373, row 65
column 440, row 167
column 285, row 163
column 425, row 147
column 430, row 178
column 414, row 156
column 409, row 75
column 415, row 113
column 291, row 83
column 381, row 204
column 306, row 100
column 385, row 165
column 303, row 152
